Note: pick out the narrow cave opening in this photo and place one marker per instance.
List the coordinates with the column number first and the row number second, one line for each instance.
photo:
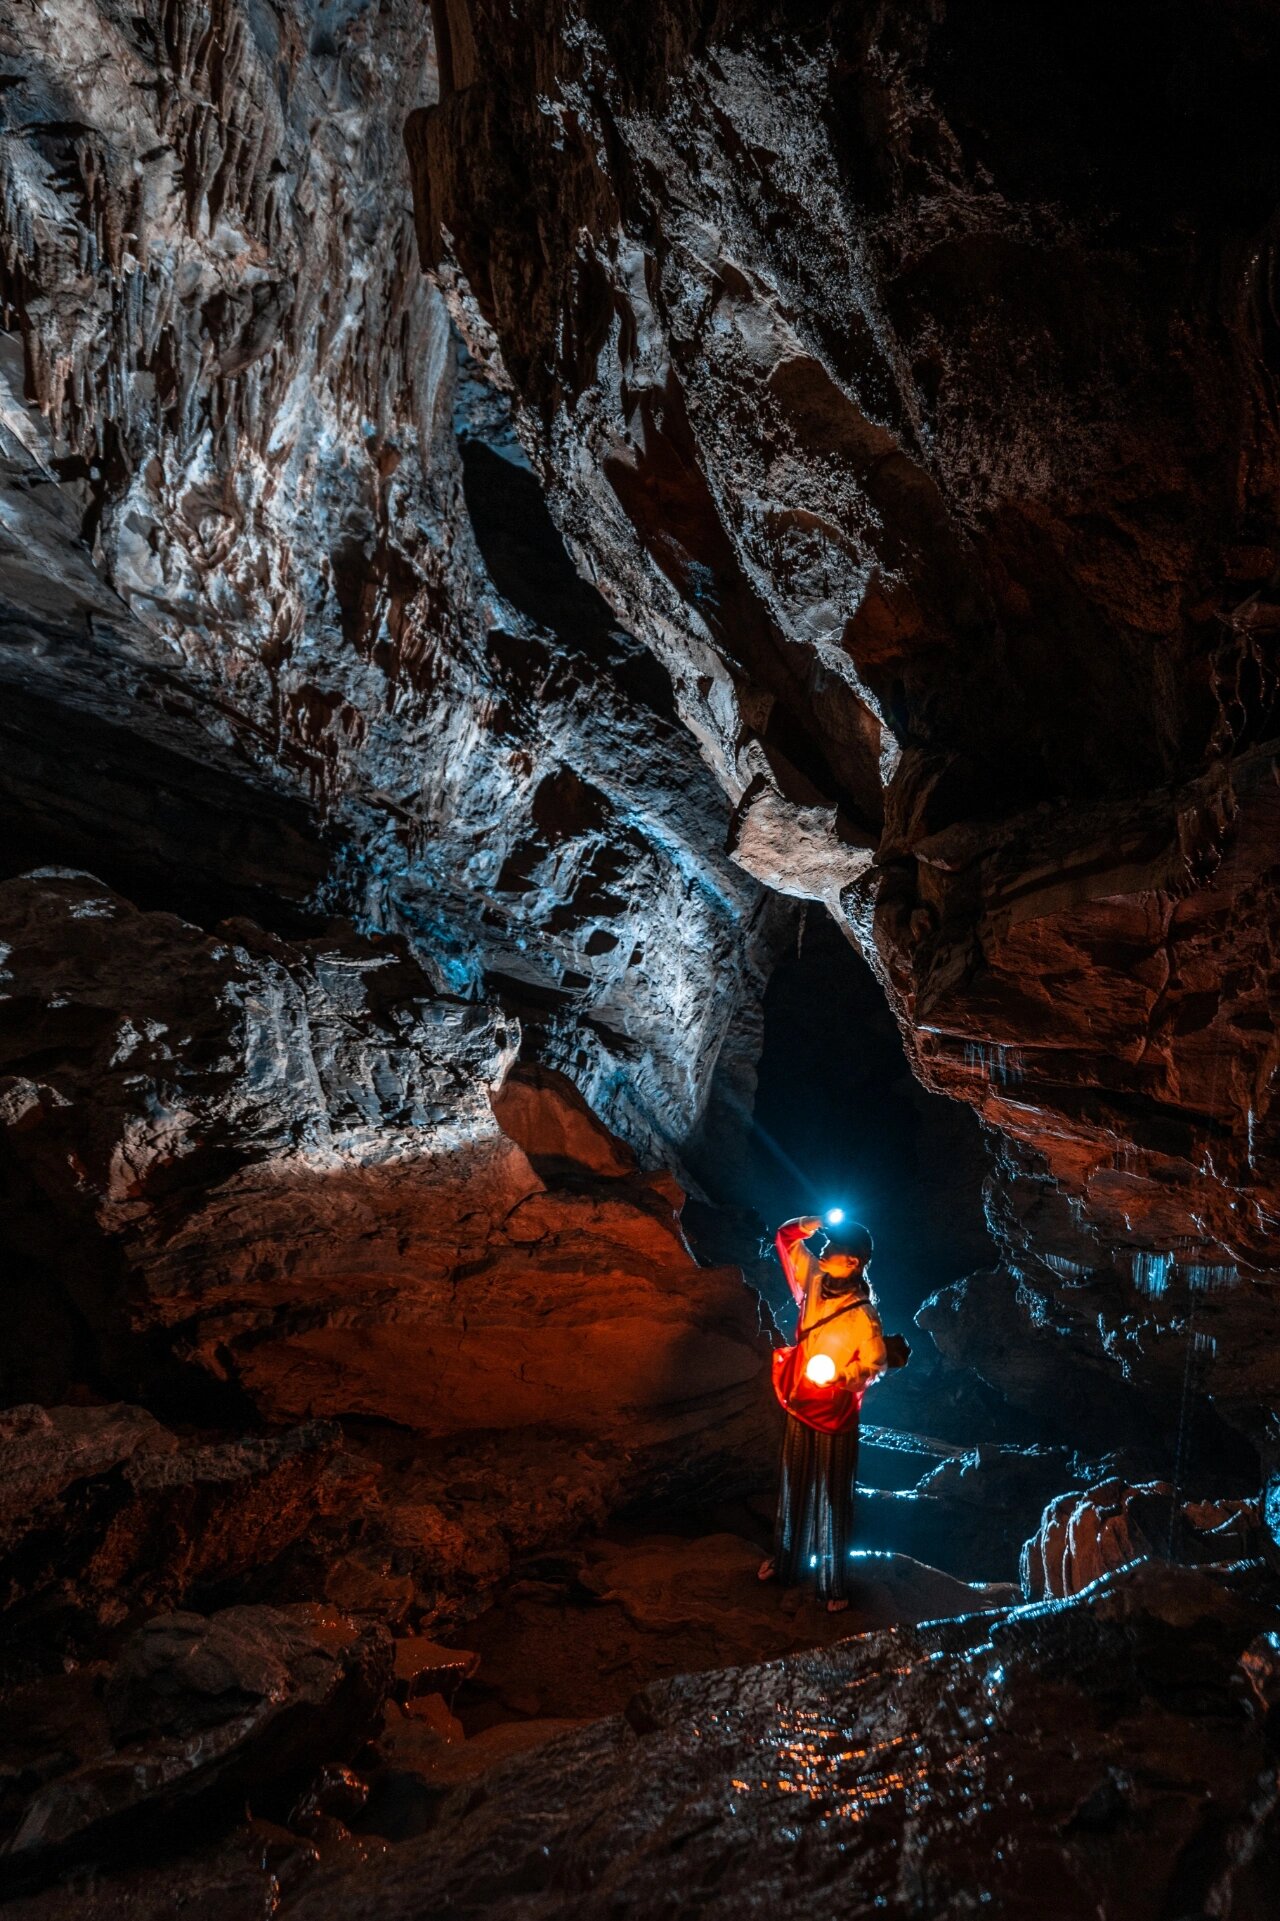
column 838, row 1119
column 837, row 1104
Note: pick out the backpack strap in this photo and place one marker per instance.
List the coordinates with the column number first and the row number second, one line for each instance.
column 802, row 1333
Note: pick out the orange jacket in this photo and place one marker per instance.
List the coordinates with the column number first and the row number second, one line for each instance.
column 852, row 1340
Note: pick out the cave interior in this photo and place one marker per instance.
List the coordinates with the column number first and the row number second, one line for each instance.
column 617, row 626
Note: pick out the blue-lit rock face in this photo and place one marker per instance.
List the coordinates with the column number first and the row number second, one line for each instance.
column 873, row 365
column 287, row 627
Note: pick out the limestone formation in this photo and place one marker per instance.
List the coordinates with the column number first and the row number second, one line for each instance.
column 910, row 382
column 105, row 1513
column 287, row 628
column 1083, row 1537
column 277, row 1170
column 509, row 513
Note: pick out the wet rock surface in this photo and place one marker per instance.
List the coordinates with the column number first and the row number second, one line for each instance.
column 892, row 1772
column 1084, row 1536
column 831, row 458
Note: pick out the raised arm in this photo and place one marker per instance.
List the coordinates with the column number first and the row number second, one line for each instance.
column 797, row 1262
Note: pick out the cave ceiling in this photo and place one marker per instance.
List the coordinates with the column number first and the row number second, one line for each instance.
column 288, row 628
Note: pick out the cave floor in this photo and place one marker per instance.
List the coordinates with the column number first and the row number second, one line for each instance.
column 637, row 1677
column 581, row 1635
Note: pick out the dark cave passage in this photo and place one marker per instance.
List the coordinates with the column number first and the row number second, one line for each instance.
column 836, row 1097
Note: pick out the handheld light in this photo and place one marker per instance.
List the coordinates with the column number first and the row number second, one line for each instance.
column 821, row 1370
column 834, row 1216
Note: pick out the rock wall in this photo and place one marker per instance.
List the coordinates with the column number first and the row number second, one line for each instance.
column 287, row 629
column 901, row 379
column 910, row 377
column 269, row 1180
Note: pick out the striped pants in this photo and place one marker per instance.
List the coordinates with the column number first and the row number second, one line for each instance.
column 814, row 1532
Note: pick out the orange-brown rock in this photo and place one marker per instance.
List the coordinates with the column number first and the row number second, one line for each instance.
column 544, row 1114
column 291, row 1153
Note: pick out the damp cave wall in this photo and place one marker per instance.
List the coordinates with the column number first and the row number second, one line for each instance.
column 909, row 375
column 291, row 650
column 991, row 676
column 262, row 524
column 917, row 477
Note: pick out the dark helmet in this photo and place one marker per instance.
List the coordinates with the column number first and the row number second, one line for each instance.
column 853, row 1240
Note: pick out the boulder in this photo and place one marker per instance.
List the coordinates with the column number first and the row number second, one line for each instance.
column 202, row 1713
column 546, row 1116
column 426, row 1667
column 902, row 1763
column 104, row 1511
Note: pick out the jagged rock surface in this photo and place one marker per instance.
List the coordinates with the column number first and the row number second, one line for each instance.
column 890, row 1774
column 103, row 1511
column 905, row 388
column 197, row 1712
column 965, row 1509
column 286, row 628
column 913, row 386
column 279, row 1167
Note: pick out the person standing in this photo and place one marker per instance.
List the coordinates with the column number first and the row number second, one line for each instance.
column 839, row 1350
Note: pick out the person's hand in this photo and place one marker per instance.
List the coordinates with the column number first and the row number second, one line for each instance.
column 810, row 1224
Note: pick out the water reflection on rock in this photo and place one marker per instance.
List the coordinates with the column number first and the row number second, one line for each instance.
column 1107, row 1755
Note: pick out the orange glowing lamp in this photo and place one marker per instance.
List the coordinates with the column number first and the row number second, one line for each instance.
column 821, row 1370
